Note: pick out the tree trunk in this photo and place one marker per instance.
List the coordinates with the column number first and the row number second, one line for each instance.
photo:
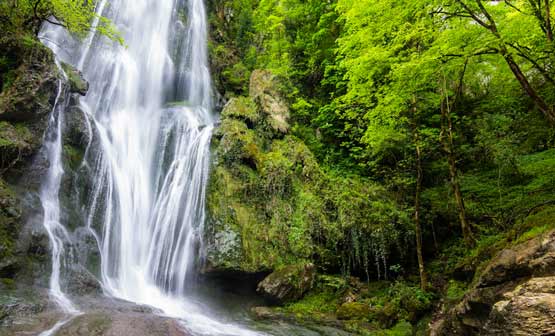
column 449, row 148
column 548, row 112
column 489, row 23
column 418, row 228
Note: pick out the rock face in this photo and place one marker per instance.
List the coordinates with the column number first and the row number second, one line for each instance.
column 289, row 283
column 30, row 86
column 253, row 160
column 76, row 81
column 514, row 295
column 527, row 310
column 265, row 93
column 29, row 97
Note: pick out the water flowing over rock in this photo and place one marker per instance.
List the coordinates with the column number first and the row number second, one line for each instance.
column 124, row 193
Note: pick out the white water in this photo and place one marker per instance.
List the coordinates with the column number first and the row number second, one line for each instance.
column 146, row 206
column 49, row 196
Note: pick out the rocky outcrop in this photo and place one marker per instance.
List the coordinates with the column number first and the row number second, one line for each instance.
column 251, row 196
column 289, row 283
column 527, row 310
column 264, row 90
column 514, row 295
column 76, row 81
column 31, row 85
column 32, row 91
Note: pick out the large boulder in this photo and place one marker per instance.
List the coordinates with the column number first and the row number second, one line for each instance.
column 289, row 283
column 513, row 296
column 527, row 310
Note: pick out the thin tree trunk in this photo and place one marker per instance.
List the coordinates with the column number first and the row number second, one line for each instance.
column 418, row 228
column 449, row 148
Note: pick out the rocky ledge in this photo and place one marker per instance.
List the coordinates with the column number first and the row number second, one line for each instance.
column 514, row 295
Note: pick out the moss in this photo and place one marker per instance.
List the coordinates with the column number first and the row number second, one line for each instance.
column 353, row 311
column 76, row 81
column 269, row 197
column 9, row 220
column 319, row 304
column 8, row 284
column 14, row 137
column 402, row 328
column 455, row 291
column 73, row 156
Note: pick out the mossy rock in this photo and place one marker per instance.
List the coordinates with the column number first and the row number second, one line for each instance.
column 289, row 283
column 353, row 311
column 264, row 89
column 10, row 213
column 242, row 108
column 33, row 88
column 16, row 143
column 75, row 78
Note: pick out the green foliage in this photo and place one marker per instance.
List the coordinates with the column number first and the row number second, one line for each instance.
column 20, row 22
column 369, row 83
column 22, row 16
column 455, row 291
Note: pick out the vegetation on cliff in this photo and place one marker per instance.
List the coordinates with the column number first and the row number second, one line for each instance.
column 430, row 122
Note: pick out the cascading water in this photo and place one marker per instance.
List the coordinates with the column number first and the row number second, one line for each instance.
column 150, row 105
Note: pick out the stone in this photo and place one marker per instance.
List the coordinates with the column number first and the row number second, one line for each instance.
column 78, row 129
column 528, row 310
column 83, row 282
column 289, row 283
column 267, row 313
column 77, row 83
column 514, row 295
column 264, row 90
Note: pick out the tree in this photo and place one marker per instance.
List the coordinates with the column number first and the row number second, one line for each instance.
column 75, row 15
column 494, row 17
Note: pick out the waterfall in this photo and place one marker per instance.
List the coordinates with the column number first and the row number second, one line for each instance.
column 49, row 197
column 150, row 105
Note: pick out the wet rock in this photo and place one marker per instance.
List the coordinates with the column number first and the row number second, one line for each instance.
column 83, row 282
column 78, row 129
column 223, row 251
column 77, row 83
column 116, row 324
column 288, row 284
column 25, row 313
column 10, row 213
column 267, row 313
column 514, row 293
